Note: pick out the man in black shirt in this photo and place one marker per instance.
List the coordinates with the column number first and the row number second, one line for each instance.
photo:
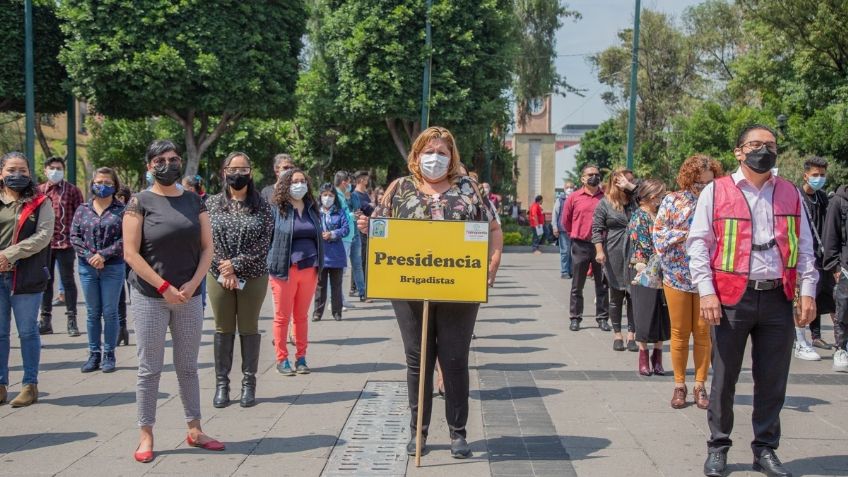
column 816, row 202
column 282, row 163
column 366, row 207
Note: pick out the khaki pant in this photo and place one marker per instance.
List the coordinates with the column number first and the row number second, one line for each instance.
column 237, row 308
column 685, row 315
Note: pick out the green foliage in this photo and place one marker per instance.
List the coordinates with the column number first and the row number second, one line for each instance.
column 603, row 147
column 516, row 238
column 50, row 75
column 261, row 140
column 204, row 63
column 535, row 69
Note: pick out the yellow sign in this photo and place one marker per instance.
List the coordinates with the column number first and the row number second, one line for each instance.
column 432, row 260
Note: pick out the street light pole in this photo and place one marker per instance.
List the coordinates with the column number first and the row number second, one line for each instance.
column 29, row 86
column 425, row 88
column 634, row 78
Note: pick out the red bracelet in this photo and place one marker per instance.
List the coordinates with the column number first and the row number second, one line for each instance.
column 165, row 285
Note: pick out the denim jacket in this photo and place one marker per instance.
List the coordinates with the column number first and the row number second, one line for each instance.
column 279, row 257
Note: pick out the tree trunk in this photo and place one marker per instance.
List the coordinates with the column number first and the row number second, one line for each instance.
column 42, row 139
column 198, row 136
column 403, row 134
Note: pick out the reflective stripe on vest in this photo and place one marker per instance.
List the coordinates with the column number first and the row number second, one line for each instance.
column 733, row 229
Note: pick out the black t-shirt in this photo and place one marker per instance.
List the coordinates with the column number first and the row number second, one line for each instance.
column 170, row 237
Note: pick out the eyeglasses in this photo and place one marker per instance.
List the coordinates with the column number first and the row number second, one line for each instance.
column 237, row 170
column 754, row 145
column 161, row 161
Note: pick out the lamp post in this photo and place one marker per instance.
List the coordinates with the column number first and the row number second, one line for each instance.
column 29, row 86
column 782, row 126
column 634, row 78
column 425, row 87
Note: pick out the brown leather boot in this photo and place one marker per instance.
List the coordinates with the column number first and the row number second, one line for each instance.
column 678, row 400
column 3, row 394
column 700, row 395
column 27, row 396
column 644, row 366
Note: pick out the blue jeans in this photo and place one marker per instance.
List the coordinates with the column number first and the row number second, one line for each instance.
column 564, row 254
column 25, row 307
column 356, row 264
column 102, row 290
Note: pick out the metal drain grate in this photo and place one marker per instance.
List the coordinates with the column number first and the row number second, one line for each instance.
column 373, row 440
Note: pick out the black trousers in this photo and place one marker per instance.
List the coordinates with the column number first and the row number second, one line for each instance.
column 616, row 309
column 583, row 257
column 449, row 338
column 363, row 241
column 767, row 317
column 840, row 327
column 335, row 276
column 65, row 257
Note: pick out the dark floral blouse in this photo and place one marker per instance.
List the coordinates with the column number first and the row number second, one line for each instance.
column 240, row 236
column 460, row 202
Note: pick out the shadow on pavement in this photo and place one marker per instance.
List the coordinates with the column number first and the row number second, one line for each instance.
column 821, row 465
column 511, row 321
column 266, row 446
column 512, row 392
column 542, row 448
column 792, row 403
column 350, row 341
column 518, row 366
column 74, row 345
column 507, row 349
column 512, row 306
column 360, row 368
column 518, row 337
column 39, row 441
column 370, row 318
column 96, row 400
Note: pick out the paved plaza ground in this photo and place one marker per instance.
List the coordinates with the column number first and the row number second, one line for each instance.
column 544, row 401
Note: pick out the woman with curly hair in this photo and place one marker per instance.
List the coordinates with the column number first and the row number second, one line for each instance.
column 671, row 228
column 295, row 262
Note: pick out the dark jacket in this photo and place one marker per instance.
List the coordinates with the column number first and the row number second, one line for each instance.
column 279, row 257
column 835, row 238
column 31, row 273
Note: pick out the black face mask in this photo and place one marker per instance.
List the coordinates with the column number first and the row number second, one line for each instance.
column 238, row 181
column 17, row 182
column 761, row 161
column 593, row 180
column 167, row 174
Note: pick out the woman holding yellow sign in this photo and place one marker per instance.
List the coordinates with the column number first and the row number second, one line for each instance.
column 437, row 189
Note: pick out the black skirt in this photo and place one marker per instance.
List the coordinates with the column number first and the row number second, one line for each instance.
column 650, row 313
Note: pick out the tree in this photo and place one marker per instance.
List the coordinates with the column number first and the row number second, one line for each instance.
column 535, row 68
column 205, row 64
column 51, row 94
column 603, row 147
column 376, row 50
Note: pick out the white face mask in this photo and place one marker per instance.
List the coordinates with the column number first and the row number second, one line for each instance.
column 434, row 166
column 55, row 175
column 327, row 201
column 298, row 190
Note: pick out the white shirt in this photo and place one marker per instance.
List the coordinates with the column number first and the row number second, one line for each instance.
column 766, row 264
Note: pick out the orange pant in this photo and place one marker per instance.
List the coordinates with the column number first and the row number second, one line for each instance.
column 292, row 298
column 685, row 315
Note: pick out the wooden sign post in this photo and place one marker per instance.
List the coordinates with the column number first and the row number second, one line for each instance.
column 427, row 260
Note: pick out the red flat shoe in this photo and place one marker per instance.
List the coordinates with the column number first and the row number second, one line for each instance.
column 143, row 457
column 212, row 445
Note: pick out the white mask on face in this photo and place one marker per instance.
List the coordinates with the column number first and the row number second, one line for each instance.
column 327, row 201
column 298, row 190
column 434, row 166
column 55, row 175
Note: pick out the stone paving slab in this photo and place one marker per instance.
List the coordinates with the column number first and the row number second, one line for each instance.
column 575, row 406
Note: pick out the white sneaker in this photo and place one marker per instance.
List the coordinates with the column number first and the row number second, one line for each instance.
column 806, row 352
column 840, row 361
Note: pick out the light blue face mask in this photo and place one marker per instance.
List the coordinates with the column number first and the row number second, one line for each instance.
column 817, row 183
column 149, row 178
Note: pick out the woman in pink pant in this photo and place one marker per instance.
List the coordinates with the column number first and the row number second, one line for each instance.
column 294, row 263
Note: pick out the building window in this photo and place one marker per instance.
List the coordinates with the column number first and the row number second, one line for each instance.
column 535, row 173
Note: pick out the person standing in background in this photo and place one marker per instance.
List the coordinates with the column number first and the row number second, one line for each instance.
column 282, row 163
column 351, row 240
column 334, row 226
column 364, row 207
column 537, row 223
column 815, row 203
column 66, row 198
column 577, row 222
column 563, row 240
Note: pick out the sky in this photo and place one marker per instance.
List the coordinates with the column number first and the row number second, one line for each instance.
column 596, row 31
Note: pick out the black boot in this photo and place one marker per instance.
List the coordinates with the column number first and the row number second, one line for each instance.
column 124, row 335
column 72, row 326
column 223, row 352
column 45, row 325
column 249, row 364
